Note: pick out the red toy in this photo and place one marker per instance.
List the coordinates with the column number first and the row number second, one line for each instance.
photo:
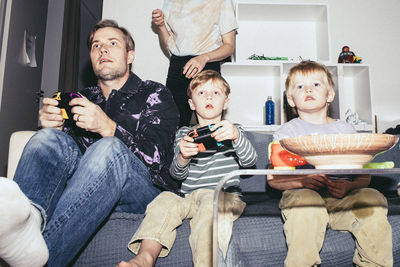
column 347, row 56
column 283, row 159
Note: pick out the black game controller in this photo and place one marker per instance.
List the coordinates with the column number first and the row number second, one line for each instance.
column 63, row 103
column 202, row 136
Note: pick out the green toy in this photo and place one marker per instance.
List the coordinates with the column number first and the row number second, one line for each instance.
column 379, row 165
column 257, row 57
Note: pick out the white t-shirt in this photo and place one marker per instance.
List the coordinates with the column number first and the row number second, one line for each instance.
column 298, row 127
column 197, row 25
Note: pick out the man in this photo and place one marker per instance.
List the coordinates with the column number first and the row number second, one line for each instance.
column 114, row 157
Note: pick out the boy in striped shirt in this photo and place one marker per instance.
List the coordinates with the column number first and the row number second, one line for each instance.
column 199, row 172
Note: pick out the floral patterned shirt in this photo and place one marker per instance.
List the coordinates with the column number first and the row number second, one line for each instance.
column 146, row 118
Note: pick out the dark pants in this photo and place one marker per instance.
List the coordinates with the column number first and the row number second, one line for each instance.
column 178, row 85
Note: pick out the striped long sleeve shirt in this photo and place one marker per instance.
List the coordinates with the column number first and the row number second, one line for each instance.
column 207, row 168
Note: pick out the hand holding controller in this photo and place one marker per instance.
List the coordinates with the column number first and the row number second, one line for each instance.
column 63, row 103
column 202, row 136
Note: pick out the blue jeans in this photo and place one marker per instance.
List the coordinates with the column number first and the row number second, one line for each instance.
column 76, row 192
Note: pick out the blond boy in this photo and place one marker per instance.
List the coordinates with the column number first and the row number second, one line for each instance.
column 200, row 172
column 312, row 203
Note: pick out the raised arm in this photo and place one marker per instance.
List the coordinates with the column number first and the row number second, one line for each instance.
column 158, row 19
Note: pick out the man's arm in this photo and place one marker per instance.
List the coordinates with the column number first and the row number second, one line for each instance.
column 150, row 137
column 91, row 117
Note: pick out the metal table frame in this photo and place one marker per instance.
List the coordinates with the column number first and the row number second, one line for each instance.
column 218, row 189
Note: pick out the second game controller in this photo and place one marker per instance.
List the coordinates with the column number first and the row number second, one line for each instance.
column 63, row 103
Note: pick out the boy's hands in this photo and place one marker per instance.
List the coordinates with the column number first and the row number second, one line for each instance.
column 225, row 130
column 314, row 181
column 339, row 188
column 187, row 149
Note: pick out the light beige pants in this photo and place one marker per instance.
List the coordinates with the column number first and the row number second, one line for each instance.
column 362, row 212
column 167, row 211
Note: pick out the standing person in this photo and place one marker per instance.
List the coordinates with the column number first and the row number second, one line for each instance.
column 312, row 203
column 115, row 157
column 200, row 172
column 199, row 35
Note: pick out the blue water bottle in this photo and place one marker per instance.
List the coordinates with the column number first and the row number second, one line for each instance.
column 269, row 111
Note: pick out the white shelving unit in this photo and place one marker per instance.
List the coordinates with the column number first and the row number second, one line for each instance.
column 282, row 30
column 295, row 31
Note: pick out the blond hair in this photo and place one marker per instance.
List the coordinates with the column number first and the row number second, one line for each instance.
column 305, row 68
column 205, row 76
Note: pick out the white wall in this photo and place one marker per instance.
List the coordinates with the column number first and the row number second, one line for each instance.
column 370, row 27
column 52, row 47
column 150, row 62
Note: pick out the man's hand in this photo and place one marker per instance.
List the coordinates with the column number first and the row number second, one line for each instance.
column 50, row 115
column 194, row 66
column 91, row 117
column 314, row 181
column 339, row 188
column 157, row 16
column 225, row 130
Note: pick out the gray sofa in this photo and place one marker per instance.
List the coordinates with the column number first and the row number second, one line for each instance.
column 258, row 238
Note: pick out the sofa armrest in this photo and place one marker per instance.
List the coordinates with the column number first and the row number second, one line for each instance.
column 18, row 141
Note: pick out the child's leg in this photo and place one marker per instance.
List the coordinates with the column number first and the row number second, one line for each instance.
column 21, row 241
column 306, row 219
column 200, row 238
column 162, row 216
column 363, row 212
column 228, row 211
column 147, row 255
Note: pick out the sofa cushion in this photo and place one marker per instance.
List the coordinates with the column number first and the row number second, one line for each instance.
column 258, row 183
column 256, row 241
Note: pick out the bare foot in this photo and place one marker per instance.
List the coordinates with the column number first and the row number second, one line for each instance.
column 141, row 260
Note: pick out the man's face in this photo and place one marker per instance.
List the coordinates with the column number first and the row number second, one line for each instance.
column 310, row 92
column 108, row 54
column 209, row 100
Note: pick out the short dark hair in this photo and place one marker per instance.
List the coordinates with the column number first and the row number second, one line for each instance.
column 129, row 42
